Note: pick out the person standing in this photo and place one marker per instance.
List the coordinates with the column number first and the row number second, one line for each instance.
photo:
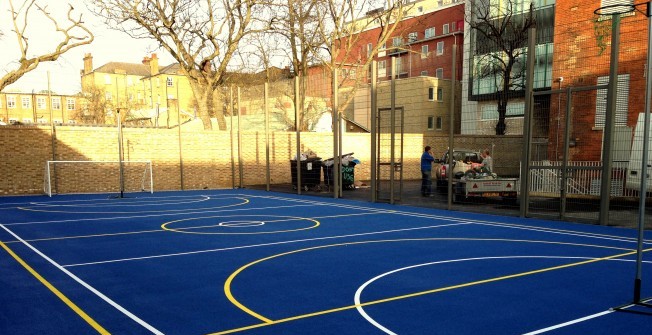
column 426, row 172
column 487, row 160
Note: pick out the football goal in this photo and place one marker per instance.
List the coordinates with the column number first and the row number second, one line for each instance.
column 63, row 177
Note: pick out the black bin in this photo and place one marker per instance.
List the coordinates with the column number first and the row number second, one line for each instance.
column 348, row 175
column 310, row 173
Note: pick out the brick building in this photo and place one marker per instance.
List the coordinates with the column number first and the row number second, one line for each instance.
column 581, row 58
column 421, row 45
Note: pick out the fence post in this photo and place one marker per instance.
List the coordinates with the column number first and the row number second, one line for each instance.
column 527, row 122
column 609, row 121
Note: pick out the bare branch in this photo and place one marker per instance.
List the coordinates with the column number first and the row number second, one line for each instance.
column 71, row 34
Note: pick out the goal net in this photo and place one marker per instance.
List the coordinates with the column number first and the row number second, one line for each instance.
column 97, row 177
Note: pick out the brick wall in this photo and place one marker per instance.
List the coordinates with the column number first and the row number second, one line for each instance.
column 204, row 158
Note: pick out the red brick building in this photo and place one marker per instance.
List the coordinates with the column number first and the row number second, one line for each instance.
column 582, row 43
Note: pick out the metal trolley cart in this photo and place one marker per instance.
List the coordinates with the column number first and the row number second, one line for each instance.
column 310, row 173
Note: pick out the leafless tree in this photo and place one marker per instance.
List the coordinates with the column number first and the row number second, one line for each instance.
column 67, row 35
column 501, row 32
column 202, row 36
column 343, row 33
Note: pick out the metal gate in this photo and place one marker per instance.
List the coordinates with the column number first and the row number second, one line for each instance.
column 389, row 153
column 562, row 186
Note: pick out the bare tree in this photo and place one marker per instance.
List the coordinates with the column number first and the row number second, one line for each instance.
column 501, row 32
column 345, row 22
column 202, row 36
column 68, row 35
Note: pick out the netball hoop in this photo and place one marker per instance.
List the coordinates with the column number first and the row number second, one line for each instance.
column 615, row 11
column 620, row 9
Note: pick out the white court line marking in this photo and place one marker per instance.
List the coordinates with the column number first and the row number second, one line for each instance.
column 572, row 322
column 359, row 305
column 261, row 245
column 448, row 217
column 151, row 215
column 86, row 285
column 459, row 222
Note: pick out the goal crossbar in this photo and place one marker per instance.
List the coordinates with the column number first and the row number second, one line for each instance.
column 147, row 172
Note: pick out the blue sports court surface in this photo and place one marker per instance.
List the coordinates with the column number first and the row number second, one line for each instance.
column 254, row 262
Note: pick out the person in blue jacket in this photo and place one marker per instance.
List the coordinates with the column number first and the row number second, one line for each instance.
column 426, row 172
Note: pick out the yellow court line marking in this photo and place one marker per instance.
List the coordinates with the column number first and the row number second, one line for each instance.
column 56, row 292
column 267, row 322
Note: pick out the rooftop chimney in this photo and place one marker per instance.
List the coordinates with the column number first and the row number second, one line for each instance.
column 153, row 65
column 88, row 63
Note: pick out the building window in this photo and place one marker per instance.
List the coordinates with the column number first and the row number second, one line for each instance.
column 438, row 124
column 26, row 102
column 440, row 94
column 108, row 96
column 429, row 33
column 107, row 79
column 56, row 103
column 381, row 50
column 514, row 109
column 431, row 122
column 27, row 121
column 399, row 66
column 11, row 102
column 382, row 68
column 40, row 103
column 370, row 48
column 169, row 82
column 424, row 51
column 424, row 73
column 445, row 29
column 130, row 81
column 454, row 25
column 431, row 94
column 412, row 37
column 440, row 48
column 439, row 73
column 397, row 41
column 70, row 104
column 158, row 82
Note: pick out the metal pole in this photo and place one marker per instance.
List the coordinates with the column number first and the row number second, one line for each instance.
column 646, row 138
column 527, row 123
column 336, row 130
column 53, row 137
column 392, row 136
column 451, row 128
column 609, row 121
column 267, row 172
column 179, row 131
column 122, row 182
column 564, row 163
column 297, row 130
column 239, row 140
column 374, row 115
column 231, row 132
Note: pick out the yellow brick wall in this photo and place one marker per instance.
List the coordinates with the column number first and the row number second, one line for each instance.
column 206, row 157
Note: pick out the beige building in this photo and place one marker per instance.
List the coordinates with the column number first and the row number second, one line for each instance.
column 38, row 108
column 151, row 94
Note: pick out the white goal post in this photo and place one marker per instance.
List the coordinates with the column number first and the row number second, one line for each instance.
column 97, row 177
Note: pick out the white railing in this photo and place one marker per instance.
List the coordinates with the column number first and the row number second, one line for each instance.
column 582, row 178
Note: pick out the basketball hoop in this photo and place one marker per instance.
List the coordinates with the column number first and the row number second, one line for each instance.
column 620, row 9
column 615, row 9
